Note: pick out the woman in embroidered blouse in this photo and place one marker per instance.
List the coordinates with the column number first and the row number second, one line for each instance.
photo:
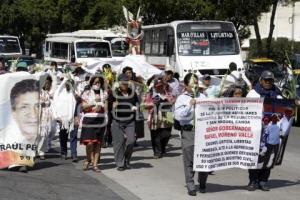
column 93, row 122
column 159, row 104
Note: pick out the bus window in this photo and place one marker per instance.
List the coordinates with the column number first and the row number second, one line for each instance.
column 193, row 43
column 59, row 50
column 171, row 45
column 223, row 43
column 9, row 45
column 92, row 50
column 119, row 48
column 155, row 42
column 163, row 42
column 148, row 39
column 207, row 41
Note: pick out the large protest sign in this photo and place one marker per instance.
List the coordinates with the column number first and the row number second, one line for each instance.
column 227, row 133
column 19, row 118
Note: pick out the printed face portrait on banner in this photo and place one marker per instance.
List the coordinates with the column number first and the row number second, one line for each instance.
column 19, row 118
column 24, row 99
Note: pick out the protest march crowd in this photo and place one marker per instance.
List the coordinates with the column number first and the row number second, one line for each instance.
column 107, row 109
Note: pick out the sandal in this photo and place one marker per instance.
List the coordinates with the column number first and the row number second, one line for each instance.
column 96, row 169
column 86, row 165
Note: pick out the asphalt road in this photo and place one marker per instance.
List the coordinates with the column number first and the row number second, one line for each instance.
column 149, row 179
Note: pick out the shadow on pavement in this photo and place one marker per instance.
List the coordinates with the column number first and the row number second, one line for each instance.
column 136, row 165
column 272, row 184
column 168, row 154
column 212, row 187
column 43, row 165
column 276, row 183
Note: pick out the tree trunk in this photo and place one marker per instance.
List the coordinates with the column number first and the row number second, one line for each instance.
column 272, row 26
column 259, row 50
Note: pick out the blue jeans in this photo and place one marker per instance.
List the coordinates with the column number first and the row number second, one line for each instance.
column 73, row 142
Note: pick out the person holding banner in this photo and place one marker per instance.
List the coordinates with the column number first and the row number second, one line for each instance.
column 24, row 98
column 264, row 88
column 184, row 113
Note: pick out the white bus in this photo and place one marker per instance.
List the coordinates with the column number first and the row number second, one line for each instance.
column 10, row 46
column 202, row 47
column 63, row 49
column 116, row 38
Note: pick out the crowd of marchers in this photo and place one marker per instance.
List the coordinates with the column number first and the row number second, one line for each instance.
column 108, row 109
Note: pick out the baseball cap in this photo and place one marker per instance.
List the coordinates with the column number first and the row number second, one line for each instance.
column 206, row 76
column 123, row 77
column 267, row 75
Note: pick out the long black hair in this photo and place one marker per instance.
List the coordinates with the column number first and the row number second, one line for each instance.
column 101, row 80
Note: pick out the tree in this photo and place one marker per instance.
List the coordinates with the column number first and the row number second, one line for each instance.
column 272, row 26
column 31, row 20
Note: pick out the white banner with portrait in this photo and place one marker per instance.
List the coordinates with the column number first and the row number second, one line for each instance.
column 227, row 133
column 19, row 118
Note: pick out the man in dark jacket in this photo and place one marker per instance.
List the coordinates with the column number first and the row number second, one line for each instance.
column 264, row 88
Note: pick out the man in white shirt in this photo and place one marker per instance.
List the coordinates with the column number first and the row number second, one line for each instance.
column 211, row 91
column 235, row 77
column 184, row 113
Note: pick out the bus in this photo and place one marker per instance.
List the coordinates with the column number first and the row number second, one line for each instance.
column 10, row 48
column 63, row 49
column 201, row 47
column 117, row 39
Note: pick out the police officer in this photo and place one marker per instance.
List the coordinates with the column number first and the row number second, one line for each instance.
column 184, row 113
column 264, row 88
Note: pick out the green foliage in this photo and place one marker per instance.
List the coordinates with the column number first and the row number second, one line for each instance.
column 280, row 49
column 31, row 20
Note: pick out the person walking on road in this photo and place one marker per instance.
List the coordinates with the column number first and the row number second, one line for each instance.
column 266, row 88
column 125, row 102
column 93, row 121
column 184, row 113
column 159, row 103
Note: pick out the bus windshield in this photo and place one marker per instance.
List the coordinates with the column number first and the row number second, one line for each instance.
column 92, row 50
column 206, row 42
column 9, row 45
column 119, row 46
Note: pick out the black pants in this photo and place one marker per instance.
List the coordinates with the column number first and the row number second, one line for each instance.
column 159, row 140
column 259, row 175
column 63, row 139
column 262, row 175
